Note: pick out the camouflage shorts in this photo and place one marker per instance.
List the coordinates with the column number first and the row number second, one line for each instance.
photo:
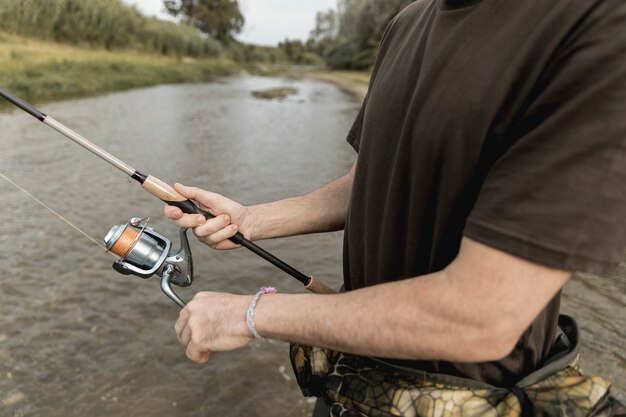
column 354, row 386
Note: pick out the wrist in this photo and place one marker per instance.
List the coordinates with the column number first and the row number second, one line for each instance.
column 252, row 311
column 242, row 324
column 254, row 227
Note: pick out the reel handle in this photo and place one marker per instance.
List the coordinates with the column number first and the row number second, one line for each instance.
column 166, row 286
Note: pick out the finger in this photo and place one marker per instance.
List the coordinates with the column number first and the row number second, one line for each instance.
column 181, row 323
column 225, row 245
column 196, row 194
column 181, row 219
column 212, row 226
column 205, row 357
column 223, row 235
column 196, row 353
column 173, row 213
column 184, row 337
column 212, row 202
column 190, row 221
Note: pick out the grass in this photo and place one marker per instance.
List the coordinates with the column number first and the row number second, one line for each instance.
column 41, row 71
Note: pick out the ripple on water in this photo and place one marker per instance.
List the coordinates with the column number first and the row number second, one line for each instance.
column 80, row 340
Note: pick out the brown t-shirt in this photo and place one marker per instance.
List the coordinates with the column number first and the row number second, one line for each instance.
column 503, row 121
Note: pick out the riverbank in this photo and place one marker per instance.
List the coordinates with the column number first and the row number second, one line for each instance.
column 43, row 71
column 352, row 82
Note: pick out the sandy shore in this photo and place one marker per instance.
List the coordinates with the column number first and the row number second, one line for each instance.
column 354, row 83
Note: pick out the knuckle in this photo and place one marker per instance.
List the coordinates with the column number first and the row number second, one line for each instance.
column 190, row 309
column 201, row 233
column 196, row 340
column 202, row 295
column 190, row 355
column 216, row 238
column 196, row 298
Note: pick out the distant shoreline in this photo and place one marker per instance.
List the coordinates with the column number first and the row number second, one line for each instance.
column 43, row 71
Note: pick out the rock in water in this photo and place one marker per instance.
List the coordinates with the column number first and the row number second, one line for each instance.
column 275, row 93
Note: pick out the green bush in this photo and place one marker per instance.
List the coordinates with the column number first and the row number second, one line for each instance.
column 104, row 23
column 342, row 55
column 309, row 58
column 108, row 23
column 169, row 38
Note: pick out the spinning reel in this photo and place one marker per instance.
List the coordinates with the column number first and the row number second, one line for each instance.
column 143, row 252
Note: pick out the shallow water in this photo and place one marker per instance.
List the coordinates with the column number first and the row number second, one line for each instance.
column 77, row 339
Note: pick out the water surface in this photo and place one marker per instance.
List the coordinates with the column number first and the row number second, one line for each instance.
column 77, row 339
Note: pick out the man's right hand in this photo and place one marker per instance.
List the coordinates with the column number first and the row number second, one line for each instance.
column 323, row 210
column 230, row 218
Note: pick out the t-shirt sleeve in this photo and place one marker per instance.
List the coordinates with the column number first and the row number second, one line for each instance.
column 557, row 196
column 354, row 135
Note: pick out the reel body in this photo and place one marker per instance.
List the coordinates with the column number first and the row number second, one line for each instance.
column 144, row 253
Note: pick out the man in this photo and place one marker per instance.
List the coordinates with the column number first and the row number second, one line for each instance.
column 491, row 166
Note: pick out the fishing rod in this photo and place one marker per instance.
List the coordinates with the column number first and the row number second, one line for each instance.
column 142, row 251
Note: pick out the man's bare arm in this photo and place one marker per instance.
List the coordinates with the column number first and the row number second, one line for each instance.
column 475, row 310
column 323, row 210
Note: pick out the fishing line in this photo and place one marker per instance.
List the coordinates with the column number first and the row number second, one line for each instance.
column 165, row 193
column 54, row 212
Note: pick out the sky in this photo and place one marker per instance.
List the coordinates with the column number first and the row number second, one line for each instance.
column 267, row 21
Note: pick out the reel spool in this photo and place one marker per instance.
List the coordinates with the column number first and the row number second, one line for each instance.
column 144, row 253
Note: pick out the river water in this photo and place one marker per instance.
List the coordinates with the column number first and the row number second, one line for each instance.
column 77, row 339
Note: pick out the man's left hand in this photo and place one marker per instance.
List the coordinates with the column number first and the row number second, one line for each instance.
column 213, row 322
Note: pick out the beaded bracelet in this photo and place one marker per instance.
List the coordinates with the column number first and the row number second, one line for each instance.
column 250, row 314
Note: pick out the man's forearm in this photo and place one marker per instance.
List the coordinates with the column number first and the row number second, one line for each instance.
column 323, row 210
column 430, row 317
column 401, row 320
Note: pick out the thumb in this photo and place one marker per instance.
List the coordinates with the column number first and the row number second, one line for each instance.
column 188, row 192
column 211, row 201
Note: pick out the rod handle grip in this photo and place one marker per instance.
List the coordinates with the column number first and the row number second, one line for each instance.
column 318, row 287
column 28, row 108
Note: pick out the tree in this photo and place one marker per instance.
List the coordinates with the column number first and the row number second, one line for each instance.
column 325, row 32
column 219, row 19
column 294, row 50
column 349, row 37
